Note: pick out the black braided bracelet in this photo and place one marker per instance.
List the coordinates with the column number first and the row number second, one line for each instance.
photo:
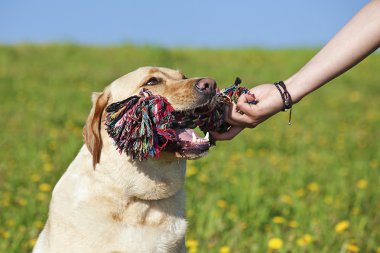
column 285, row 95
column 286, row 98
column 282, row 95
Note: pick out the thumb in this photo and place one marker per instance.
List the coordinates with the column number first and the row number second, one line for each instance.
column 243, row 104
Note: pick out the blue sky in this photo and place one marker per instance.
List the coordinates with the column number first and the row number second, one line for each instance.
column 207, row 23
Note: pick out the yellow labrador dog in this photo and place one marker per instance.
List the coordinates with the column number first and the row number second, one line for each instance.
column 107, row 203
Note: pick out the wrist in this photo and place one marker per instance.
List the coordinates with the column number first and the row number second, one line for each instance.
column 286, row 98
column 295, row 89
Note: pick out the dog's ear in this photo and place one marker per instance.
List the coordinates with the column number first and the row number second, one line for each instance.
column 91, row 131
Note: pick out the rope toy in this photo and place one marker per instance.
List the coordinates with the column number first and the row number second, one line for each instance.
column 144, row 124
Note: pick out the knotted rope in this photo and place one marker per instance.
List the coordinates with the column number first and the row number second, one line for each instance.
column 143, row 125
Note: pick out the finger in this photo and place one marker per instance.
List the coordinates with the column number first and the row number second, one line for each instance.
column 235, row 117
column 229, row 135
column 238, row 118
column 229, row 114
column 244, row 106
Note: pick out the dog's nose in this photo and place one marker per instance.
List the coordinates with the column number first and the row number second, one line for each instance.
column 206, row 86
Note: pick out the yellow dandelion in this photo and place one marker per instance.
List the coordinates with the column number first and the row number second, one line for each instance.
column 352, row 248
column 53, row 145
column 44, row 157
column 355, row 211
column 235, row 157
column 313, row 187
column 48, row 167
column 232, row 216
column 203, row 178
column 22, row 201
column 190, row 213
column 354, row 96
column 5, row 202
column 243, row 225
column 278, row 220
column 293, row 224
column 329, row 200
column 22, row 229
column 305, row 240
column 342, row 226
column 378, row 250
column 32, row 242
column 224, row 249
column 263, row 152
column 308, row 238
column 275, row 243
column 221, row 203
column 300, row 192
column 374, row 164
column 35, row 178
column 191, row 170
column 274, row 160
column 5, row 234
column 301, row 242
column 249, row 153
column 10, row 222
column 39, row 224
column 44, row 187
column 191, row 243
column 41, row 196
column 362, row 184
column 286, row 199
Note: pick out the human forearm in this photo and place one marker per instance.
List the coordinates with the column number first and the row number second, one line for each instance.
column 359, row 37
column 356, row 40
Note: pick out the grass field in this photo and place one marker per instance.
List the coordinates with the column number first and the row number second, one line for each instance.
column 311, row 187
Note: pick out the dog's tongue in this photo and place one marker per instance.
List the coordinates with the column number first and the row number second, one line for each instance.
column 189, row 135
column 186, row 134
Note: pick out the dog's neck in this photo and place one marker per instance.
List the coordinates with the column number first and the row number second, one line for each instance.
column 152, row 179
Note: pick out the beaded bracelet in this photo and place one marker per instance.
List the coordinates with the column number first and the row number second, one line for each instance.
column 286, row 99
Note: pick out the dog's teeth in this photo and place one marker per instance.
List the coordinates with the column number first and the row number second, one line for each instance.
column 206, row 138
column 194, row 138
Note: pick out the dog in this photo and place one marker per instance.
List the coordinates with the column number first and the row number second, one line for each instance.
column 107, row 203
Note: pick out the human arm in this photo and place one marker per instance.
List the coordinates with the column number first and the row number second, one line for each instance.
column 355, row 41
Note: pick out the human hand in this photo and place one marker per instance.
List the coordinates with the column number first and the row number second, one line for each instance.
column 243, row 114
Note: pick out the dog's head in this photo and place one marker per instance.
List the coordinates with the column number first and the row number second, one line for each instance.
column 184, row 94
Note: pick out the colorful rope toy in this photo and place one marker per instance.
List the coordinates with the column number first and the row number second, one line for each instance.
column 143, row 125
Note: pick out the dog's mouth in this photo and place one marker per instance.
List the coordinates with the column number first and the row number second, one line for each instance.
column 190, row 144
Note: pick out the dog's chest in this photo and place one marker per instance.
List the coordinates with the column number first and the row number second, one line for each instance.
column 140, row 213
column 153, row 239
column 130, row 226
column 148, row 227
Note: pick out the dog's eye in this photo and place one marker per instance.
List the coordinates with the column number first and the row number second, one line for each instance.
column 153, row 81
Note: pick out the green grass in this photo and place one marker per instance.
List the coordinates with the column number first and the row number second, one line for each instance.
column 313, row 175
